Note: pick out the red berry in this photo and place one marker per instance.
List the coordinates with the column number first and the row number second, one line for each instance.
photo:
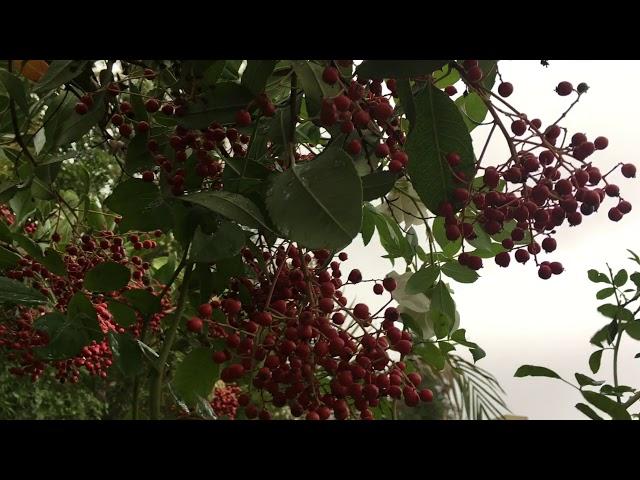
column 142, row 127
column 152, row 105
column 382, row 150
column 556, row 268
column 522, row 256
column 342, row 103
column 361, row 119
column 194, row 324
column 612, row 190
column 629, row 170
column 450, row 90
column 505, row 89
column 624, row 207
column 564, row 88
column 544, row 272
column 243, row 118
column 474, row 74
column 382, row 112
column 354, row 147
column 601, row 143
column 453, row 159
column 361, row 311
column 148, row 176
column 549, row 244
column 389, row 284
column 615, row 214
column 355, row 276
column 503, row 259
column 395, row 166
column 452, row 232
column 205, row 310
column 326, row 305
column 125, row 130
column 426, row 395
column 81, row 108
column 474, row 262
column 330, row 75
column 518, row 127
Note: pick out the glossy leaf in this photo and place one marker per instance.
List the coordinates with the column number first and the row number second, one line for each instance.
column 398, row 68
column 535, row 371
column 14, row 292
column 439, row 130
column 106, row 277
column 306, row 210
column 231, row 205
column 377, row 184
column 195, row 375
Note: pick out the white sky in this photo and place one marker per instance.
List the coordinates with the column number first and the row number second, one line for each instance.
column 516, row 317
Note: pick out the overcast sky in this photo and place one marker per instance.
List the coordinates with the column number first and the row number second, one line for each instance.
column 518, row 318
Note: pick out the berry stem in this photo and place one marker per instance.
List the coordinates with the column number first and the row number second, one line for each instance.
column 158, row 375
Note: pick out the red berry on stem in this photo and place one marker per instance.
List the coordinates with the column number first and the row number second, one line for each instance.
column 505, row 89
column 564, row 88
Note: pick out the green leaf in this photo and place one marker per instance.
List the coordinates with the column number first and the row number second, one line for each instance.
column 621, row 278
column 382, row 69
column 449, row 248
column 66, row 338
column 431, row 355
column 368, row 225
column 407, row 102
column 306, row 211
column 231, row 205
column 459, row 273
column 12, row 291
column 584, row 380
column 74, row 126
column 8, row 258
column 423, row 280
column 54, row 263
column 442, row 305
column 127, row 354
column 615, row 311
column 145, row 302
column 633, row 329
column 59, row 73
column 196, row 375
column 82, row 314
column 439, row 130
column 594, row 361
column 124, row 315
column 604, row 403
column 315, row 89
column 605, row 292
column 597, row 277
column 138, row 156
column 107, row 277
column 588, row 411
column 377, row 184
column 635, row 278
column 28, row 245
column 226, row 242
column 535, row 371
column 256, row 74
column 140, row 204
column 15, row 89
column 619, row 390
column 220, row 105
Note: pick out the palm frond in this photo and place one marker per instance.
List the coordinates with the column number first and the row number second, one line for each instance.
column 473, row 393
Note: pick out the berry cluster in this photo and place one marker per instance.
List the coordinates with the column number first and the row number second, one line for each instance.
column 545, row 182
column 299, row 345
column 19, row 336
column 225, row 401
